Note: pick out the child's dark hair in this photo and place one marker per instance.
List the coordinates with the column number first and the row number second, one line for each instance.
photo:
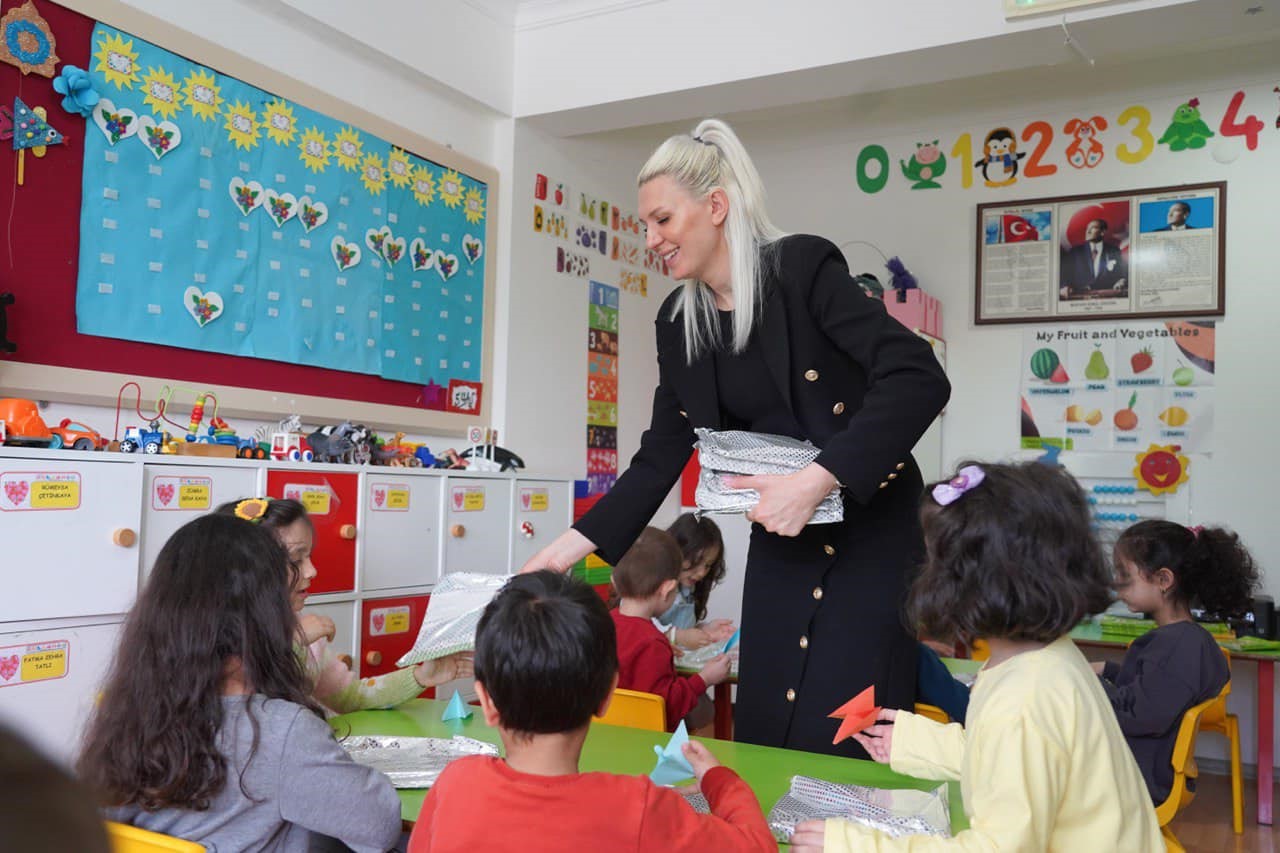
column 219, row 593
column 43, row 808
column 1012, row 557
column 546, row 653
column 274, row 514
column 698, row 537
column 1211, row 567
column 654, row 558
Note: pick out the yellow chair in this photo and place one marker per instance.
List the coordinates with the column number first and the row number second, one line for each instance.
column 1217, row 719
column 979, row 650
column 636, row 710
column 933, row 712
column 1185, row 771
column 130, row 839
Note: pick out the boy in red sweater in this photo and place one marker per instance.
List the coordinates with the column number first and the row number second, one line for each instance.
column 546, row 661
column 646, row 579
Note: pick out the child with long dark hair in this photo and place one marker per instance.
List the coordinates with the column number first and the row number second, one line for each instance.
column 1042, row 765
column 1164, row 569
column 702, row 568
column 333, row 684
column 206, row 729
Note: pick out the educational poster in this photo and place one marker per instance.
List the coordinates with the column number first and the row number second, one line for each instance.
column 1138, row 253
column 1119, row 386
column 602, row 388
column 219, row 217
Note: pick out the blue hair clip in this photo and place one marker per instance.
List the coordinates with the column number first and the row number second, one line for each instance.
column 965, row 479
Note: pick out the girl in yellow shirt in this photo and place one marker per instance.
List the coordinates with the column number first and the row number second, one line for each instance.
column 1042, row 764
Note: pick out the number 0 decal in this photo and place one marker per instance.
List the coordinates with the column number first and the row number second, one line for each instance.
column 868, row 183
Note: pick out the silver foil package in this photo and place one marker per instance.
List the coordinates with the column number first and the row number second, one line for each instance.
column 895, row 812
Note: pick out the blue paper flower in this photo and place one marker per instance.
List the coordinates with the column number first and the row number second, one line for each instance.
column 77, row 90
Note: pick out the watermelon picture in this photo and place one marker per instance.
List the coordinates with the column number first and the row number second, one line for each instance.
column 1044, row 362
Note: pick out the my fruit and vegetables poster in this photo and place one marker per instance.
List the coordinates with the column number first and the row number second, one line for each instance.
column 1119, row 386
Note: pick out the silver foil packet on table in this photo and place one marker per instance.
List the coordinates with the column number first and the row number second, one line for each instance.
column 697, row 658
column 452, row 616
column 412, row 762
column 895, row 812
column 724, row 453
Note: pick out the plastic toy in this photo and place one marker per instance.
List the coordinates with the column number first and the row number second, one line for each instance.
column 346, row 442
column 396, row 453
column 77, row 436
column 292, row 446
column 246, row 448
column 149, row 441
column 23, row 426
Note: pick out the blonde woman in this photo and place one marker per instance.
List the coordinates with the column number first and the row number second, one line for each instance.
column 770, row 333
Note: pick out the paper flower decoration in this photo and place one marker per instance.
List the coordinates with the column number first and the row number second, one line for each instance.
column 27, row 41
column 76, row 88
column 450, row 188
column 424, row 186
column 252, row 509
column 473, row 207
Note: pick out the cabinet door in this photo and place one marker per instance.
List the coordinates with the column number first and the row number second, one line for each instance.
column 543, row 511
column 49, row 681
column 477, row 525
column 401, row 531
column 175, row 494
column 388, row 627
column 331, row 500
column 69, row 537
column 343, row 614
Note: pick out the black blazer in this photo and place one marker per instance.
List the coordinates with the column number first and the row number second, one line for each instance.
column 862, row 386
column 1077, row 268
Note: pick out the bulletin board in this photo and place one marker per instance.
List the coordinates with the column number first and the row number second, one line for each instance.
column 215, row 223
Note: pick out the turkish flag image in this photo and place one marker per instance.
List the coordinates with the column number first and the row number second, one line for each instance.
column 1018, row 229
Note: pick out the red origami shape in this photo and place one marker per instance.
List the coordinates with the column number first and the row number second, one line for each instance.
column 856, row 715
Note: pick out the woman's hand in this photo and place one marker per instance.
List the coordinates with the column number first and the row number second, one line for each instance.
column 878, row 739
column 787, row 501
column 433, row 673
column 809, row 836
column 568, row 548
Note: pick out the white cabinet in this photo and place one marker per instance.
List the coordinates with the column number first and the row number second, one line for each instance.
column 50, row 678
column 343, row 614
column 176, row 494
column 543, row 510
column 69, row 527
column 477, row 524
column 401, row 529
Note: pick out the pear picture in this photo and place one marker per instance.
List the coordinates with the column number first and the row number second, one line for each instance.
column 1097, row 366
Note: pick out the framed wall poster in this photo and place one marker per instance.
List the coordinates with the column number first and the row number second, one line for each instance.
column 1130, row 254
column 1016, row 8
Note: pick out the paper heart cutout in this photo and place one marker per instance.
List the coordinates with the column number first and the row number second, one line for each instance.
column 165, row 493
column 458, row 499
column 312, row 214
column 247, row 196
column 345, row 255
column 393, row 249
column 446, row 265
column 8, row 667
column 16, row 492
column 203, row 307
column 419, row 255
column 375, row 237
column 115, row 123
column 281, row 207
column 159, row 138
column 472, row 247
column 524, row 499
column 379, row 495
column 378, row 621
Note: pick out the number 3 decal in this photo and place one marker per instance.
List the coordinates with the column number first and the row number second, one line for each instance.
column 1141, row 132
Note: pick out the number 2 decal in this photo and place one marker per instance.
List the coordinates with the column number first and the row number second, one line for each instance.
column 1034, row 168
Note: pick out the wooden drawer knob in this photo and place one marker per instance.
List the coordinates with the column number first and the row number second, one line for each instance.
column 346, row 659
column 347, row 531
column 457, row 531
column 124, row 537
column 373, row 658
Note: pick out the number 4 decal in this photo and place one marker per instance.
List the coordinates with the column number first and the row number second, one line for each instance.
column 1249, row 128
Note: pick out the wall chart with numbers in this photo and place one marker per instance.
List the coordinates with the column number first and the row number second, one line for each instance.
column 267, row 237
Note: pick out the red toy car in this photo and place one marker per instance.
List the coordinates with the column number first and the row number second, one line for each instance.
column 77, row 436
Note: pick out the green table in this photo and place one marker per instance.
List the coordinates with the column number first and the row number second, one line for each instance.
column 962, row 666
column 622, row 750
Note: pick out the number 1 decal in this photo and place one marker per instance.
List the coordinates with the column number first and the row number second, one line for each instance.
column 963, row 149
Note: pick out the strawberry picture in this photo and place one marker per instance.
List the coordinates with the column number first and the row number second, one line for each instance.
column 1141, row 360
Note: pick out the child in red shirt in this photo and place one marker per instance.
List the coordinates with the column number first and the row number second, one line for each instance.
column 545, row 663
column 646, row 579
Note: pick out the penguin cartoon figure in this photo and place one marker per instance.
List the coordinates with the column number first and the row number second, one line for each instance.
column 1000, row 164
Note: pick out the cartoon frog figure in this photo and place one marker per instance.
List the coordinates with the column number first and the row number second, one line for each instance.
column 925, row 165
column 1188, row 130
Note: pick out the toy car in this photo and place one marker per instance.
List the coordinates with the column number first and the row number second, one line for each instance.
column 291, row 446
column 23, row 426
column 149, row 441
column 77, row 436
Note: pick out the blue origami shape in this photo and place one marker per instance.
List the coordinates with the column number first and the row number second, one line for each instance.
column 1050, row 456
column 77, row 90
column 733, row 641
column 457, row 710
column 672, row 766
